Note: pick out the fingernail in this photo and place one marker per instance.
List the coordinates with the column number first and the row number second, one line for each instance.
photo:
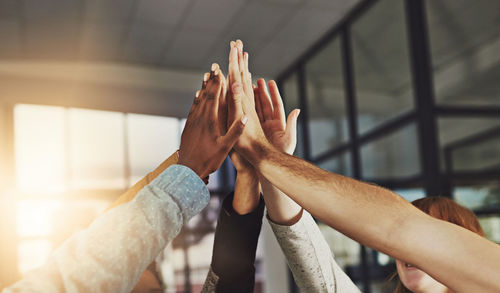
column 206, row 76
column 244, row 120
column 216, row 72
column 213, row 67
column 197, row 93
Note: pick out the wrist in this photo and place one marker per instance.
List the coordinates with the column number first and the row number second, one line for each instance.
column 246, row 172
column 246, row 193
column 257, row 152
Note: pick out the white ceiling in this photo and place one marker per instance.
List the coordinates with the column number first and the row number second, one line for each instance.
column 175, row 34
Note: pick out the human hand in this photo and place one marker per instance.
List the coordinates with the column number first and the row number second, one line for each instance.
column 241, row 96
column 280, row 132
column 204, row 144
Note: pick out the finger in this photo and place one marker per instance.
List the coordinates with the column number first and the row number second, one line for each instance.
column 258, row 106
column 265, row 101
column 291, row 125
column 196, row 97
column 241, row 63
column 213, row 92
column 245, row 60
column 279, row 109
column 247, row 76
column 222, row 111
column 213, row 69
column 206, row 76
column 235, row 104
column 196, row 101
column 234, row 67
column 233, row 133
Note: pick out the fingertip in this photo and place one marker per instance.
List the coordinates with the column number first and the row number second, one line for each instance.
column 244, row 119
column 197, row 93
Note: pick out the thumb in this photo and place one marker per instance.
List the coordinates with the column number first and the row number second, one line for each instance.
column 291, row 124
column 234, row 133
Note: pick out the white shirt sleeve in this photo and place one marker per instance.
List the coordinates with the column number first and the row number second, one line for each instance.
column 116, row 249
column 310, row 258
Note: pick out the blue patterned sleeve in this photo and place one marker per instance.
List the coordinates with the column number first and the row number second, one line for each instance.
column 115, row 250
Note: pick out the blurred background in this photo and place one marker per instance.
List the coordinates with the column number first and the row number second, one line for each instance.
column 93, row 95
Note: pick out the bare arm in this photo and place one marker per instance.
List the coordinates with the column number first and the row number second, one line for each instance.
column 374, row 216
column 283, row 135
column 381, row 219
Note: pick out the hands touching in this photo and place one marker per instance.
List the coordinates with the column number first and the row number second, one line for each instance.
column 242, row 95
column 204, row 142
column 268, row 109
column 281, row 133
column 283, row 136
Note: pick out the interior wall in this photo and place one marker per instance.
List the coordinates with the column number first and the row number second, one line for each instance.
column 112, row 87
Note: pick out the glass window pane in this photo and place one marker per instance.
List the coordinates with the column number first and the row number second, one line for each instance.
column 290, row 95
column 411, row 194
column 340, row 164
column 465, row 41
column 481, row 155
column 381, row 64
column 39, row 136
column 393, row 156
column 33, row 254
column 97, row 149
column 474, row 197
column 478, row 154
column 34, row 217
column 326, row 99
column 491, row 227
column 151, row 139
column 345, row 250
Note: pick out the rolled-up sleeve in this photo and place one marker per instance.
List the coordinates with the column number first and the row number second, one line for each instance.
column 114, row 251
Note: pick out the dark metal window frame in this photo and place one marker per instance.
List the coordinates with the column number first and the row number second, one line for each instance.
column 424, row 115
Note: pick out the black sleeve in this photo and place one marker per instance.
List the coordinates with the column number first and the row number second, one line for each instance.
column 235, row 244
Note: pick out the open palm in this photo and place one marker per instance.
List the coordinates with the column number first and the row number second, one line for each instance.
column 280, row 132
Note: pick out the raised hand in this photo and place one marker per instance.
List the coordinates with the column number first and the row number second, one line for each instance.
column 204, row 143
column 282, row 134
column 242, row 97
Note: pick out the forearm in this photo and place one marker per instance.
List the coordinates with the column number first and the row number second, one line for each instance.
column 246, row 192
column 281, row 209
column 115, row 250
column 234, row 250
column 379, row 218
column 332, row 198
